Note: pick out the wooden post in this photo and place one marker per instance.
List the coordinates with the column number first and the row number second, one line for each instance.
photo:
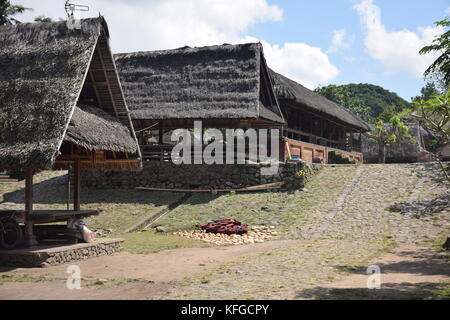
column 69, row 172
column 76, row 184
column 161, row 140
column 30, row 239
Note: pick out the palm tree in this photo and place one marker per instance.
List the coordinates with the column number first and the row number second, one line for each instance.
column 43, row 19
column 7, row 10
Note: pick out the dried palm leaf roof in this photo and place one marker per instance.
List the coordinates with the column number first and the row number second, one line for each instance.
column 215, row 82
column 94, row 129
column 42, row 71
column 291, row 91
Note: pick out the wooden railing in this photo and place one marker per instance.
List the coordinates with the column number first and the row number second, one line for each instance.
column 294, row 149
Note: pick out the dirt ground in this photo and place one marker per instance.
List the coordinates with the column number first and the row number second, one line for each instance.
column 151, row 274
column 392, row 216
column 406, row 272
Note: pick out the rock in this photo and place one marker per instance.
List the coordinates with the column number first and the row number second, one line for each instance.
column 161, row 229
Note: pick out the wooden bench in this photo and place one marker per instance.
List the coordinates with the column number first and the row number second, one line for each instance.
column 55, row 232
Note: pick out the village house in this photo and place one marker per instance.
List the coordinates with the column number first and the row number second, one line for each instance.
column 316, row 126
column 230, row 86
column 61, row 107
column 226, row 86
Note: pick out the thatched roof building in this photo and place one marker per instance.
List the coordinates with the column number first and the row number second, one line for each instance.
column 293, row 93
column 216, row 82
column 47, row 72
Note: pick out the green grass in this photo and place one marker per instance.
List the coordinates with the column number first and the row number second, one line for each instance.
column 284, row 211
column 151, row 242
column 443, row 292
column 120, row 208
column 24, row 278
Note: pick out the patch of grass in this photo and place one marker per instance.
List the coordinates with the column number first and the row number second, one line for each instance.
column 437, row 242
column 443, row 292
column 108, row 283
column 120, row 208
column 284, row 211
column 151, row 242
column 25, row 278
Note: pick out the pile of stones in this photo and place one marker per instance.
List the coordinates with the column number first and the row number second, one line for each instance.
column 257, row 234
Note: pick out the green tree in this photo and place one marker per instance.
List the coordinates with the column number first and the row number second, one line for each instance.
column 386, row 135
column 366, row 100
column 441, row 44
column 7, row 10
column 429, row 91
column 43, row 19
column 434, row 114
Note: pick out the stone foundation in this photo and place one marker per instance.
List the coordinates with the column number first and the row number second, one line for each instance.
column 57, row 254
column 168, row 175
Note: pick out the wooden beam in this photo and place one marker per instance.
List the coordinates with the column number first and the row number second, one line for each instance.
column 99, row 101
column 76, row 184
column 30, row 239
column 107, row 81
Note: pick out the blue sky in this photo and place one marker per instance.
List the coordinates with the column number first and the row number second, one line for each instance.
column 314, row 42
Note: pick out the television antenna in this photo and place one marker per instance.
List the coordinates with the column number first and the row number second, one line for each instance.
column 71, row 8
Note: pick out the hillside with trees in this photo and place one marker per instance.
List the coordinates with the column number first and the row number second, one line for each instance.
column 366, row 100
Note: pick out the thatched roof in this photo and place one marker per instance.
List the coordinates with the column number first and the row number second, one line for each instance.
column 94, row 129
column 290, row 91
column 215, row 82
column 43, row 67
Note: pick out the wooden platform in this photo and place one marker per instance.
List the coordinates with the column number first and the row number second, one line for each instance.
column 47, row 216
column 58, row 253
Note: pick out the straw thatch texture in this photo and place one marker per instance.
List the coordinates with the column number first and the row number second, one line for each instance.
column 291, row 91
column 216, row 82
column 94, row 129
column 42, row 71
column 42, row 67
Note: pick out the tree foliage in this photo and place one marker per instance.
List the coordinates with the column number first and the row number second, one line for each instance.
column 386, row 135
column 43, row 19
column 434, row 114
column 441, row 44
column 7, row 10
column 366, row 100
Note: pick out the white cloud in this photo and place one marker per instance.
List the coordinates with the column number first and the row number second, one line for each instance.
column 339, row 41
column 138, row 25
column 307, row 65
column 397, row 50
column 163, row 24
column 447, row 11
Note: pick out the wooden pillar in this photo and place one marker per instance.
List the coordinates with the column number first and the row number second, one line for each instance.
column 76, row 184
column 161, row 140
column 30, row 239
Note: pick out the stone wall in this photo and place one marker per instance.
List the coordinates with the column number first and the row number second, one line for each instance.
column 168, row 175
column 52, row 255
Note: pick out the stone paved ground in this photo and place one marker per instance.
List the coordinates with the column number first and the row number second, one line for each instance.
column 341, row 233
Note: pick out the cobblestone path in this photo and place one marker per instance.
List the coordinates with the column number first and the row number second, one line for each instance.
column 379, row 208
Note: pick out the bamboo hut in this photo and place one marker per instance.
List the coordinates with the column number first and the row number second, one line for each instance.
column 225, row 86
column 316, row 125
column 61, row 105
